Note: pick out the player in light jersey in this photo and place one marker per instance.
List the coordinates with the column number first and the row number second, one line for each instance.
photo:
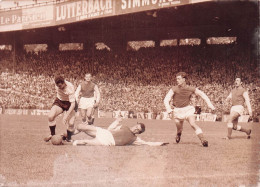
column 238, row 97
column 65, row 102
column 115, row 135
column 88, row 97
column 182, row 110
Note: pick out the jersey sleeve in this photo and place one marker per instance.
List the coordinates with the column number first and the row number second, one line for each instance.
column 192, row 88
column 71, row 93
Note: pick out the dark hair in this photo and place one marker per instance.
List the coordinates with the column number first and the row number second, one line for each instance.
column 142, row 127
column 182, row 74
column 59, row 79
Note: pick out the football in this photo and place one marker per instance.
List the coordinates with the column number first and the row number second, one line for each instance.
column 56, row 140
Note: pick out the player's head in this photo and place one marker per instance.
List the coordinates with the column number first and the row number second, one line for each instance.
column 138, row 129
column 238, row 82
column 60, row 82
column 88, row 77
column 181, row 78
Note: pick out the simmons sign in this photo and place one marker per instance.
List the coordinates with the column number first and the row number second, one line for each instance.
column 128, row 6
column 77, row 10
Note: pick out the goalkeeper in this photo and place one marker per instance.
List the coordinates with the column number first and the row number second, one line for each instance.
column 115, row 135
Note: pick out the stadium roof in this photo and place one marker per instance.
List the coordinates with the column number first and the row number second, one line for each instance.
column 230, row 18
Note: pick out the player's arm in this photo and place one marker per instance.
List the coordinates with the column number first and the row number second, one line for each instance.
column 72, row 107
column 139, row 141
column 205, row 98
column 97, row 92
column 115, row 124
column 77, row 92
column 167, row 99
column 229, row 97
column 247, row 100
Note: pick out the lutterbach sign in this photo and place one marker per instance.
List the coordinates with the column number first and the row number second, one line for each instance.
column 78, row 10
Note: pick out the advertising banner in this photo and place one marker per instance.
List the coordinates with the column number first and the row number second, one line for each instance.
column 11, row 20
column 72, row 11
column 123, row 114
column 38, row 17
column 103, row 114
column 77, row 10
column 207, row 117
column 33, row 112
column 166, row 116
column 130, row 6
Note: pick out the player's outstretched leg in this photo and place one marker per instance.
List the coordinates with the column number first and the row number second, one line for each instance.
column 231, row 123
column 241, row 129
column 198, row 131
column 54, row 112
column 179, row 125
column 52, row 126
column 249, row 134
column 229, row 130
column 200, row 135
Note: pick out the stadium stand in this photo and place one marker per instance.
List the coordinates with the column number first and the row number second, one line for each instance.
column 131, row 80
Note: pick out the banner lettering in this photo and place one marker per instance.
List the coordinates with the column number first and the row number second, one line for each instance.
column 78, row 10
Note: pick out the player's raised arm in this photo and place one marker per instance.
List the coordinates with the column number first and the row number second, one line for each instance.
column 77, row 92
column 72, row 106
column 247, row 101
column 139, row 141
column 97, row 94
column 229, row 97
column 167, row 99
column 115, row 124
column 205, row 98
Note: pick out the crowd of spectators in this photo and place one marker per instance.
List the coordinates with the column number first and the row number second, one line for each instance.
column 132, row 80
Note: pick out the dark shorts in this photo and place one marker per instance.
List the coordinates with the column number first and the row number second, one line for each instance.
column 65, row 105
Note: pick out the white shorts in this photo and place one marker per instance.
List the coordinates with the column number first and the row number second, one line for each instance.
column 183, row 113
column 85, row 103
column 237, row 108
column 105, row 137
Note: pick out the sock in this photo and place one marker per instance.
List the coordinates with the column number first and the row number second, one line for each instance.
column 90, row 121
column 229, row 132
column 201, row 137
column 52, row 129
column 179, row 134
column 69, row 133
column 199, row 133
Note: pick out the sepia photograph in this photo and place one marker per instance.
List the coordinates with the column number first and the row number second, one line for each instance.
column 113, row 93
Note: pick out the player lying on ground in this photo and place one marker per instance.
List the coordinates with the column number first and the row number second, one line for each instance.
column 115, row 135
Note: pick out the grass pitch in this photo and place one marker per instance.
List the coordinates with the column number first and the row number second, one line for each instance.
column 26, row 160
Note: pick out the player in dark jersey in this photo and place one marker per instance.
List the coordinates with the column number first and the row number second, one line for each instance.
column 115, row 135
column 182, row 110
column 88, row 97
column 238, row 96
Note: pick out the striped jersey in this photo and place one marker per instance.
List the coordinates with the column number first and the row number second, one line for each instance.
column 68, row 94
